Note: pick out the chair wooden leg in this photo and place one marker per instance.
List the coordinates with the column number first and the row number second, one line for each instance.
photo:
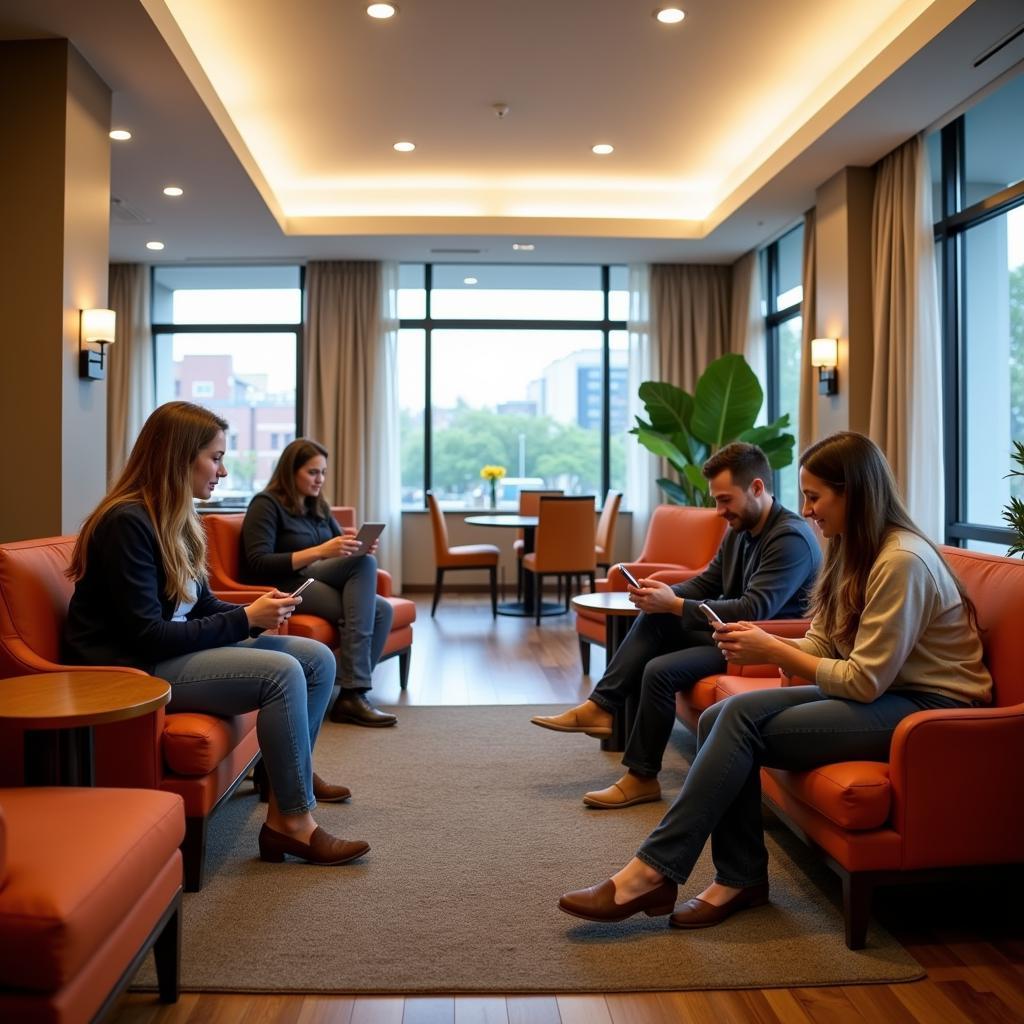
column 438, row 580
column 167, row 954
column 593, row 585
column 585, row 655
column 193, row 852
column 857, row 891
column 494, row 591
column 538, row 593
column 404, row 657
column 519, row 579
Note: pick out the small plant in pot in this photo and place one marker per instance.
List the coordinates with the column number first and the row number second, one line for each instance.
column 686, row 429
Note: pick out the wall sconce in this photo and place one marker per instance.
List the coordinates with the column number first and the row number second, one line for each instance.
column 96, row 328
column 825, row 356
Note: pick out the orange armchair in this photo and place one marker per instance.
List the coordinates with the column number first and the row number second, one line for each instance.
column 680, row 543
column 90, row 881
column 950, row 795
column 224, row 540
column 201, row 758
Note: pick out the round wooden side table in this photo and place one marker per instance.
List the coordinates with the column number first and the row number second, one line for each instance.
column 58, row 710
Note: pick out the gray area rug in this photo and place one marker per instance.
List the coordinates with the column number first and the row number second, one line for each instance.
column 476, row 827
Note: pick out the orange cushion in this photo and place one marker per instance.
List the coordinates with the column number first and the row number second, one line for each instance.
column 195, row 744
column 482, row 555
column 315, row 628
column 854, row 795
column 79, row 859
column 404, row 612
column 728, row 686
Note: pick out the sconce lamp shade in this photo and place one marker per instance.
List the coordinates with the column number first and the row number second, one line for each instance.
column 825, row 352
column 825, row 356
column 96, row 328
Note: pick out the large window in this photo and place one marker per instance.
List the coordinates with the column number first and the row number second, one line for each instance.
column 977, row 165
column 227, row 338
column 782, row 275
column 519, row 366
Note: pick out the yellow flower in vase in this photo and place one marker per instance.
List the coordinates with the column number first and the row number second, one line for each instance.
column 492, row 474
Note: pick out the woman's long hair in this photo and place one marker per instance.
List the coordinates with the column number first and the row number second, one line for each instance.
column 853, row 465
column 158, row 475
column 282, row 481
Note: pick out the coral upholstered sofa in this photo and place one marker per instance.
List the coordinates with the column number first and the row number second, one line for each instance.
column 202, row 758
column 952, row 792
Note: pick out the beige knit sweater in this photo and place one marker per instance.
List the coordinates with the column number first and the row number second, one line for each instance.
column 914, row 633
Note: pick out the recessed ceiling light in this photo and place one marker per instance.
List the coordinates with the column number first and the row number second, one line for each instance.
column 381, row 10
column 405, row 147
column 173, row 190
column 155, row 245
column 469, row 280
column 602, row 149
column 523, row 246
column 670, row 15
column 120, row 134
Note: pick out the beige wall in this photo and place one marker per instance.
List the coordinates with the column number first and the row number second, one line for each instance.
column 843, row 269
column 55, row 208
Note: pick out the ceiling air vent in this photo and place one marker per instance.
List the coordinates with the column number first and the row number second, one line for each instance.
column 122, row 213
column 457, row 252
column 999, row 45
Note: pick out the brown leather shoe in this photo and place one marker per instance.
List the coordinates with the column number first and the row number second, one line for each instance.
column 327, row 792
column 696, row 913
column 322, row 848
column 594, row 721
column 352, row 706
column 629, row 790
column 598, row 902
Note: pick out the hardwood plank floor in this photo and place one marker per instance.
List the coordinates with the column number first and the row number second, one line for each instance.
column 970, row 941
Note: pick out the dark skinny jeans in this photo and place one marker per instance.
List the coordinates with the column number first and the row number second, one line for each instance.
column 790, row 727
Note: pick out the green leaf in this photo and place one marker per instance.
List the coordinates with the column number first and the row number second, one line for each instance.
column 675, row 494
column 658, row 443
column 670, row 408
column 696, row 479
column 759, row 435
column 727, row 400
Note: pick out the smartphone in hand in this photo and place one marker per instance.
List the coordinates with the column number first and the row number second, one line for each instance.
column 630, row 578
column 711, row 615
column 301, row 587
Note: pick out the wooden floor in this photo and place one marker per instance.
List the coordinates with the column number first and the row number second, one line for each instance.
column 970, row 942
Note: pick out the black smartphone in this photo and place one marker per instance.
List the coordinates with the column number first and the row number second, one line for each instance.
column 630, row 578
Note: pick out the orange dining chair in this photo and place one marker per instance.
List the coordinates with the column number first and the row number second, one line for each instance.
column 604, row 542
column 564, row 544
column 529, row 504
column 462, row 556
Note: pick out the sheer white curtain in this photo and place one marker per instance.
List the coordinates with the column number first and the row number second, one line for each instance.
column 809, row 314
column 131, row 385
column 641, row 490
column 906, row 393
column 350, row 347
column 746, row 321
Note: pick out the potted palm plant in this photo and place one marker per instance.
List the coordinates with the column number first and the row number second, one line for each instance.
column 1014, row 512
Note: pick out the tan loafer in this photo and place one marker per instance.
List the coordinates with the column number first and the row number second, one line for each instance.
column 598, row 902
column 696, row 913
column 597, row 723
column 629, row 790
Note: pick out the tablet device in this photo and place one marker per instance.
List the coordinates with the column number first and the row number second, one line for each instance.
column 367, row 534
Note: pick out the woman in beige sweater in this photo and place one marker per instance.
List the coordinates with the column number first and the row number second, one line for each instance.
column 892, row 633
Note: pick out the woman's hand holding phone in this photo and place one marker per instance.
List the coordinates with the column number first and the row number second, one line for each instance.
column 269, row 610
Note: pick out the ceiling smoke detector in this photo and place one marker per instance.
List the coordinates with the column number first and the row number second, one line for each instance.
column 500, row 110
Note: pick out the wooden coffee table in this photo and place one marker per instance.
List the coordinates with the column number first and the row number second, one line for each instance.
column 58, row 710
column 619, row 613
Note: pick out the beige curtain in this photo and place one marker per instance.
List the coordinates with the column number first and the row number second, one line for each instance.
column 350, row 345
column 689, row 319
column 906, row 392
column 642, row 492
column 131, row 384
column 746, row 320
column 808, row 423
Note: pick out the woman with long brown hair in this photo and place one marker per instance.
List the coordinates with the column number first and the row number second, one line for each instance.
column 142, row 599
column 289, row 536
column 892, row 633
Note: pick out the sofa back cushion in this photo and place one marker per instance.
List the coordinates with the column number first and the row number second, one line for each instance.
column 680, row 535
column 996, row 586
column 223, row 550
column 35, row 593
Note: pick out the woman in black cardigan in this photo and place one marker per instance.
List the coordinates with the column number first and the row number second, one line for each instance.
column 289, row 535
column 142, row 599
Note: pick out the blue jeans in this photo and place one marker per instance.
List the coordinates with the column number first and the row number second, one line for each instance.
column 793, row 727
column 346, row 593
column 658, row 658
column 289, row 679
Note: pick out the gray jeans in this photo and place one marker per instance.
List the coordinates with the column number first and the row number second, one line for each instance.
column 792, row 727
column 346, row 593
column 288, row 679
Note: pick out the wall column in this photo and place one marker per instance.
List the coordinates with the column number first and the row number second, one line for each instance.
column 55, row 209
column 843, row 267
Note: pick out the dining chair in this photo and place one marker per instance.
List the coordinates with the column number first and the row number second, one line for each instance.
column 604, row 542
column 529, row 503
column 564, row 543
column 462, row 556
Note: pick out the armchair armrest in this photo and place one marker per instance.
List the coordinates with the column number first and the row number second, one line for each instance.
column 20, row 654
column 672, row 576
column 241, row 596
column 641, row 570
column 385, row 587
column 956, row 775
